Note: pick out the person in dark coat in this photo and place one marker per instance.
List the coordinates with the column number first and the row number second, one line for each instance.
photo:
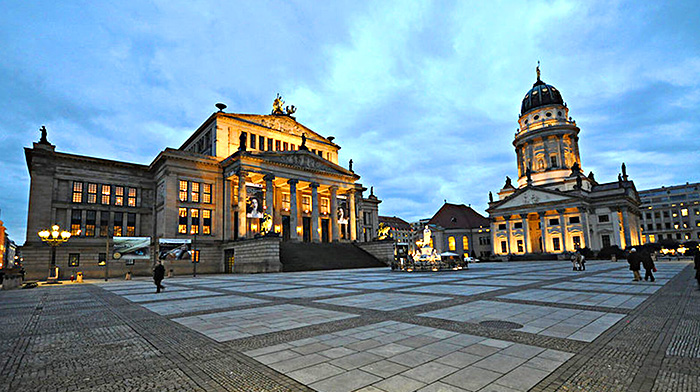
column 648, row 264
column 158, row 275
column 696, row 259
column 634, row 262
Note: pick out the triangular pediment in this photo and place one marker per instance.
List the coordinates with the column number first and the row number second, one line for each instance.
column 531, row 197
column 303, row 160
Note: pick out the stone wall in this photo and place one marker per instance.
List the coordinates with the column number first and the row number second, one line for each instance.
column 257, row 255
column 382, row 250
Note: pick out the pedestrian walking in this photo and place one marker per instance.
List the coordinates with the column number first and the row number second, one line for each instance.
column 634, row 262
column 649, row 266
column 158, row 275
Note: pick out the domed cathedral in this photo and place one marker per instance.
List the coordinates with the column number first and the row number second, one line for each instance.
column 554, row 207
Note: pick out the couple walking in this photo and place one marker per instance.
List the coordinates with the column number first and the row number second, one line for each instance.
column 638, row 259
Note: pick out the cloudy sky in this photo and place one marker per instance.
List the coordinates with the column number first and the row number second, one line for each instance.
column 423, row 96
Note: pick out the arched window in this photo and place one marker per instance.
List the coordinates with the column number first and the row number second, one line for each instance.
column 451, row 243
column 465, row 243
column 540, row 164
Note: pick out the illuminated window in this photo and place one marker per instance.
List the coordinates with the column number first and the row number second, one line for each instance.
column 451, row 243
column 76, row 219
column 194, row 192
column 465, row 243
column 77, row 192
column 675, row 214
column 253, row 139
column 285, row 201
column 306, row 203
column 182, row 221
column 206, row 221
column 90, row 220
column 104, row 223
column 577, row 241
column 285, row 146
column 652, row 238
column 556, row 243
column 194, row 225
column 92, row 193
column 118, row 195
column 325, row 205
column 684, row 212
column 675, row 226
column 74, row 259
column 118, row 224
column 183, row 190
column 130, row 225
column 206, row 193
column 278, row 145
column 132, row 197
column 106, row 191
column 195, row 256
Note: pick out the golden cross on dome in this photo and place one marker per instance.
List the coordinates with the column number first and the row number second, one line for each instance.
column 538, row 69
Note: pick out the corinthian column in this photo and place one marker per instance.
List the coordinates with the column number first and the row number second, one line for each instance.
column 315, row 237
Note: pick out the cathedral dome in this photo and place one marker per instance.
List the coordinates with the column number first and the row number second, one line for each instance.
column 541, row 94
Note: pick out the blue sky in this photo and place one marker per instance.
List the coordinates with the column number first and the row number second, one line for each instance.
column 423, row 96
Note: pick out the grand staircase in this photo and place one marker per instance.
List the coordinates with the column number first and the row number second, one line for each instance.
column 304, row 256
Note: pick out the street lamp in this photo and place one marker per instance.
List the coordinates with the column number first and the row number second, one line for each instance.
column 54, row 238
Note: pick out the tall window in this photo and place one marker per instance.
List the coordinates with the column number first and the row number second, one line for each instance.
column 194, row 226
column 325, row 205
column 285, row 201
column 451, row 243
column 206, row 221
column 182, row 221
column 285, row 146
column 520, row 246
column 605, row 239
column 269, row 144
column 130, row 225
column 132, row 197
column 504, row 247
column 206, row 193
column 253, row 139
column 278, row 145
column 553, row 160
column 104, row 223
column 261, row 143
column 465, row 243
column 76, row 219
column 684, row 212
column 77, row 192
column 90, row 220
column 118, row 224
column 577, row 241
column 306, row 203
column 92, row 193
column 106, row 193
column 118, row 195
column 183, row 190
column 556, row 243
column 194, row 192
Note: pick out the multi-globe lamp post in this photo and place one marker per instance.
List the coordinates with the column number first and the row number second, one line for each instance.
column 54, row 238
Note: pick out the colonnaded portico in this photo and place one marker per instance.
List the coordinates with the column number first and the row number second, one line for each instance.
column 300, row 192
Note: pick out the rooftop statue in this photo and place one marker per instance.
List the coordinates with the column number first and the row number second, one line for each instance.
column 43, row 139
column 508, row 182
column 242, row 141
column 278, row 105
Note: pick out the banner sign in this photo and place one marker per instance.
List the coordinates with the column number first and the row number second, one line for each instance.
column 254, row 201
column 343, row 211
column 132, row 248
column 174, row 249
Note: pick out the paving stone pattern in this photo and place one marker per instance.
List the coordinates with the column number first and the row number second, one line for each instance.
column 361, row 330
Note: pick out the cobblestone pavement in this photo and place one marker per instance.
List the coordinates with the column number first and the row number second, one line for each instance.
column 497, row 327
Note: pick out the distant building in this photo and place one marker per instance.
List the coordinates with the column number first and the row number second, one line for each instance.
column 671, row 213
column 400, row 230
column 554, row 207
column 459, row 229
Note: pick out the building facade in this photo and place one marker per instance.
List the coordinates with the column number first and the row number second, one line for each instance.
column 553, row 207
column 459, row 229
column 399, row 229
column 671, row 213
column 236, row 177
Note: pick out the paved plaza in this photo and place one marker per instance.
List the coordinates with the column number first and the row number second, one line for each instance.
column 497, row 327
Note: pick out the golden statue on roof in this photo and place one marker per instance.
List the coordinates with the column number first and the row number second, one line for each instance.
column 538, row 69
column 278, row 105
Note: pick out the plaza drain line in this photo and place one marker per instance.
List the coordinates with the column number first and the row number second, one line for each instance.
column 500, row 324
